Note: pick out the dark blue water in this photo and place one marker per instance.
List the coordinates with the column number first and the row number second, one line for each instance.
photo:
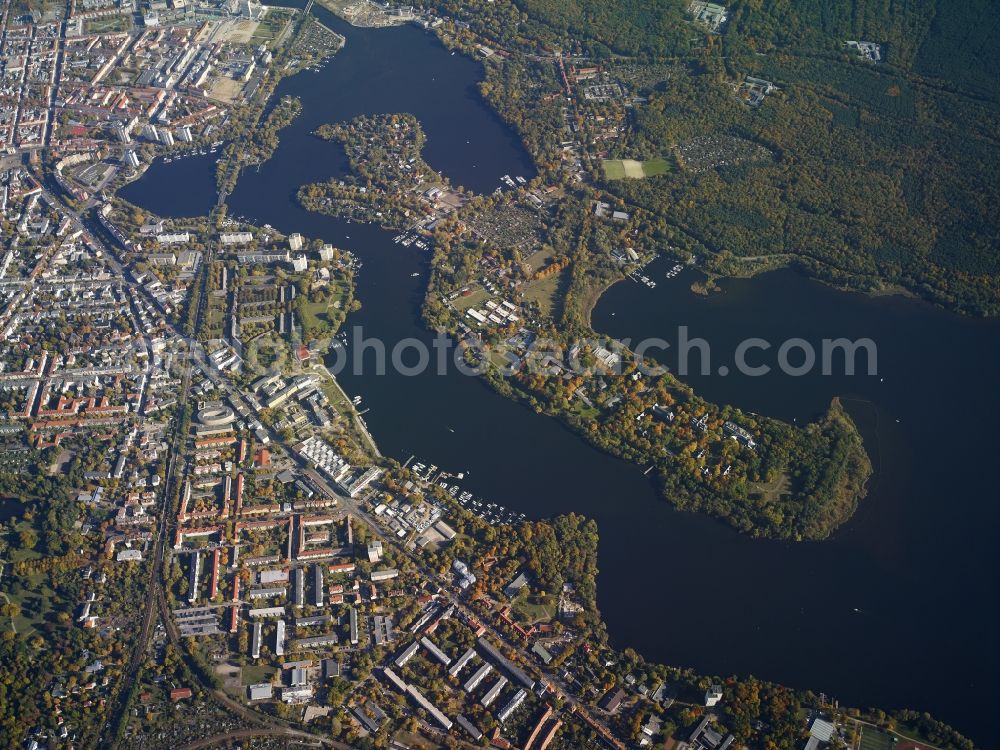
column 192, row 186
column 919, row 559
column 897, row 610
column 379, row 71
column 10, row 508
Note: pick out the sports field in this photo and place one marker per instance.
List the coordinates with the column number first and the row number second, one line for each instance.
column 619, row 169
column 876, row 739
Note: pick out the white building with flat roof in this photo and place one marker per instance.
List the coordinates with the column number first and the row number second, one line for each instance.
column 279, row 639
column 262, row 691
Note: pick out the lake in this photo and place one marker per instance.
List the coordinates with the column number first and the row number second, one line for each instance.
column 897, row 610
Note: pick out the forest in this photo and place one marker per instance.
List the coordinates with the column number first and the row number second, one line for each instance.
column 871, row 184
column 882, row 176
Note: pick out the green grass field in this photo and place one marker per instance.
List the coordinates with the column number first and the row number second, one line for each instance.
column 215, row 315
column 314, row 314
column 476, row 298
column 257, row 673
column 876, row 739
column 337, row 399
column 654, row 167
column 107, row 24
column 269, row 27
column 19, row 553
column 538, row 259
column 530, row 611
column 545, row 291
column 614, row 169
column 36, row 602
column 620, row 169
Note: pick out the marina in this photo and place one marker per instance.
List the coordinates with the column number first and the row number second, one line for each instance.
column 492, row 513
column 178, row 155
column 511, row 182
column 406, row 239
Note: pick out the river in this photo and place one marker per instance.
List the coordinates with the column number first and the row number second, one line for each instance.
column 897, row 610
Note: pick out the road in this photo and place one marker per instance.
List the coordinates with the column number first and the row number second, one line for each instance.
column 119, row 710
column 265, row 725
column 155, row 603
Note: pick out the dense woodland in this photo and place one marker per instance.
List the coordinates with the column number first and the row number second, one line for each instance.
column 882, row 176
column 870, row 185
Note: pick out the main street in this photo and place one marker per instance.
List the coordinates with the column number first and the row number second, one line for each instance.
column 446, row 588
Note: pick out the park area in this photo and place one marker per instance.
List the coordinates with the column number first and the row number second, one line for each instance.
column 545, row 292
column 271, row 26
column 620, row 169
column 107, row 24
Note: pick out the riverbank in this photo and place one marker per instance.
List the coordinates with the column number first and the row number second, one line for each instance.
column 844, row 281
